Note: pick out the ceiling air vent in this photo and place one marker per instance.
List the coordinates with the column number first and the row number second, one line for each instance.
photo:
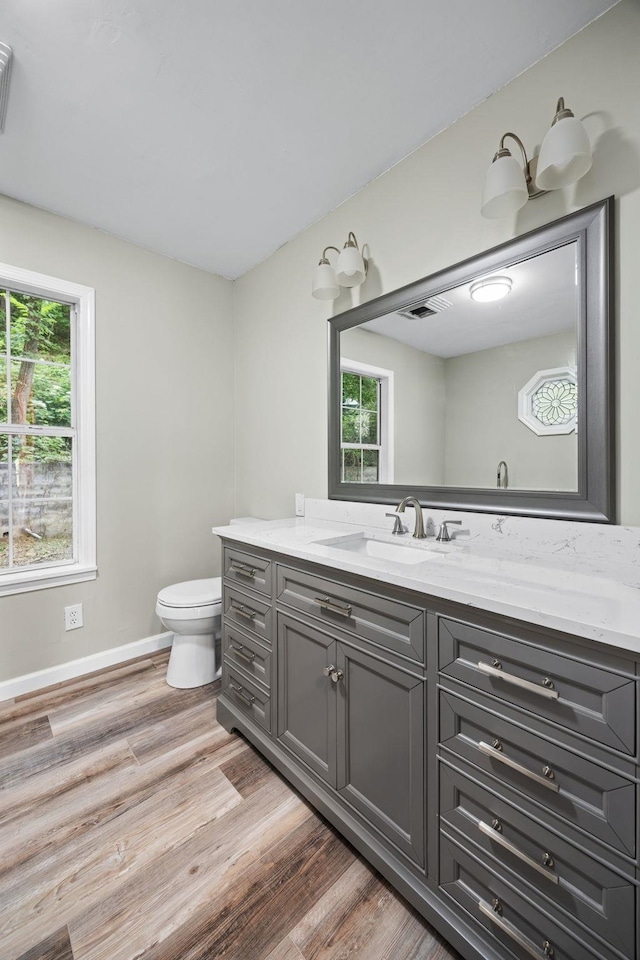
column 428, row 308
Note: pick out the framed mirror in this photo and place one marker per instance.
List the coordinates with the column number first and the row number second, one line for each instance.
column 487, row 386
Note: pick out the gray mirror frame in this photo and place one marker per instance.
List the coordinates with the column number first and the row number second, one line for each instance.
column 594, row 500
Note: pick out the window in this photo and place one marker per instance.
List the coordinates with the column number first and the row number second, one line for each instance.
column 366, row 424
column 47, row 434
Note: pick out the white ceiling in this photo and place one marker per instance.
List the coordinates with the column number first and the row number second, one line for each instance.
column 214, row 131
column 543, row 301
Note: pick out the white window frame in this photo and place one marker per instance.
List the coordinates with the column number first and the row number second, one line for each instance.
column 386, row 447
column 83, row 363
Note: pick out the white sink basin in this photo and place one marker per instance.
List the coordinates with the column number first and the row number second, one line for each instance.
column 362, row 546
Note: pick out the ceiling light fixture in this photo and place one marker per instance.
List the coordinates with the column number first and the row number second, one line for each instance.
column 6, row 56
column 350, row 271
column 490, row 289
column 565, row 156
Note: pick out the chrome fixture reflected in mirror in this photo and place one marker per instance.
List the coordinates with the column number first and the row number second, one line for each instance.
column 432, row 394
column 6, row 56
column 565, row 156
column 350, row 270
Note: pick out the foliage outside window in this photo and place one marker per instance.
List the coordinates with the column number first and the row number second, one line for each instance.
column 47, row 505
column 360, row 428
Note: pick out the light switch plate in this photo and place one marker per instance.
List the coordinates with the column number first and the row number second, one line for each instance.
column 299, row 504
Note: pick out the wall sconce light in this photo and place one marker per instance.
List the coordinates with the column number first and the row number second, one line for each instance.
column 350, row 271
column 565, row 156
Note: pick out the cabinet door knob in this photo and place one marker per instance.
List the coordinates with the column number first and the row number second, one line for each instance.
column 333, row 672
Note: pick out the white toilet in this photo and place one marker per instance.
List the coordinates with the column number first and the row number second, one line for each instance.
column 192, row 610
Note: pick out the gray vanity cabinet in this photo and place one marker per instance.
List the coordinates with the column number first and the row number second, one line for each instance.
column 357, row 721
column 487, row 768
column 381, row 746
column 306, row 702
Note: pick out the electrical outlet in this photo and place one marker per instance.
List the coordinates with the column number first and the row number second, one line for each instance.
column 299, row 504
column 73, row 617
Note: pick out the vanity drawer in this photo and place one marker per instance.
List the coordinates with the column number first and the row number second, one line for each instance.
column 519, row 925
column 552, row 777
column 388, row 623
column 511, row 843
column 247, row 570
column 247, row 655
column 247, row 696
column 247, row 612
column 594, row 701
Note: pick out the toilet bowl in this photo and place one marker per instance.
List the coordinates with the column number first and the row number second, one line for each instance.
column 192, row 611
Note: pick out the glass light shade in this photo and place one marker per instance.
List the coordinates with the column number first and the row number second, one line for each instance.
column 490, row 289
column 565, row 155
column 350, row 269
column 325, row 286
column 505, row 189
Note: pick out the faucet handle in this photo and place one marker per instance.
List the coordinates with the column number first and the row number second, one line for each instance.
column 398, row 526
column 443, row 533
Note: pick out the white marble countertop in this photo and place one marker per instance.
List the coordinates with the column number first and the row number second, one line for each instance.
column 552, row 591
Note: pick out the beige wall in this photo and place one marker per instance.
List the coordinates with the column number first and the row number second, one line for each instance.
column 422, row 216
column 165, row 442
column 418, row 387
column 482, row 425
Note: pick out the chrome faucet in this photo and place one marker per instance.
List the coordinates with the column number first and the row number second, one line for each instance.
column 418, row 531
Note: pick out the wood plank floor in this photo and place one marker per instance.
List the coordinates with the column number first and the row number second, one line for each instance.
column 133, row 825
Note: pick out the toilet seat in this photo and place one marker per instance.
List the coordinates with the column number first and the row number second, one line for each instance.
column 191, row 593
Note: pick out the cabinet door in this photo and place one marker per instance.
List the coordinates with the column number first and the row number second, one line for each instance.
column 306, row 697
column 381, row 747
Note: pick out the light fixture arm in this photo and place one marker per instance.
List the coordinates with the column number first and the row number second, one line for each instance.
column 529, row 165
column 324, row 259
column 562, row 112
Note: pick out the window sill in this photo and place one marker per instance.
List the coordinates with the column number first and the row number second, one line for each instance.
column 42, row 579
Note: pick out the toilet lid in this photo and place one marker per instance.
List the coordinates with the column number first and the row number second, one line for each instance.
column 192, row 593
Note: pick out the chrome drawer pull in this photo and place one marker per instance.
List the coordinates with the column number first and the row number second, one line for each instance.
column 493, row 913
column 240, row 610
column 546, row 778
column 328, row 604
column 241, row 651
column 493, row 670
column 543, row 868
column 240, row 691
column 243, row 568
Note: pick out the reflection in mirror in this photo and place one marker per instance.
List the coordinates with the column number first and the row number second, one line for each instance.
column 444, row 391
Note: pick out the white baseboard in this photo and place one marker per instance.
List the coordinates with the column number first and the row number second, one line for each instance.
column 79, row 668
